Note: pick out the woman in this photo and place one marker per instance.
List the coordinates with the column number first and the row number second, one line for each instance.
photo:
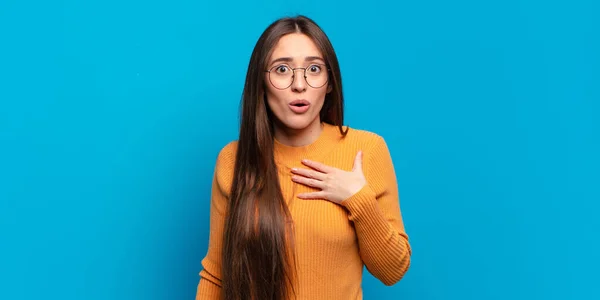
column 300, row 203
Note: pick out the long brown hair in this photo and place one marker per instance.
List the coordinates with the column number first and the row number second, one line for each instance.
column 258, row 245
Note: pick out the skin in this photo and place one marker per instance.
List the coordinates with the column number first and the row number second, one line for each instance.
column 292, row 129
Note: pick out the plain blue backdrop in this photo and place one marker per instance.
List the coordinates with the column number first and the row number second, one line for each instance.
column 112, row 114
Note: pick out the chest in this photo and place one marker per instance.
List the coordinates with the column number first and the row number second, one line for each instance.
column 317, row 222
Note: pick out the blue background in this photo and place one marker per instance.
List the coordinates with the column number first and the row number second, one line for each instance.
column 112, row 114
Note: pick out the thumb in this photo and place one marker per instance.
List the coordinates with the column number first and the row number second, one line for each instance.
column 358, row 162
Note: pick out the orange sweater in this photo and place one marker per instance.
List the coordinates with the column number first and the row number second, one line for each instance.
column 333, row 242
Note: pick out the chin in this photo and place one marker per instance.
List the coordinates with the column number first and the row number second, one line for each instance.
column 298, row 122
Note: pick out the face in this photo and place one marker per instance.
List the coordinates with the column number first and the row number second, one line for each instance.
column 296, row 101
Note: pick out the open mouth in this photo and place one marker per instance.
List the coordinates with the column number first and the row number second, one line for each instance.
column 299, row 106
column 299, row 103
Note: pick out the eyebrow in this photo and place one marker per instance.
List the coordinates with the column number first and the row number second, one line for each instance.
column 289, row 59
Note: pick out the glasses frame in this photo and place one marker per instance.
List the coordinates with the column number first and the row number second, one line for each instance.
column 327, row 69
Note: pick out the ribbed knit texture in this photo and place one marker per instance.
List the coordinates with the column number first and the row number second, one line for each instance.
column 332, row 242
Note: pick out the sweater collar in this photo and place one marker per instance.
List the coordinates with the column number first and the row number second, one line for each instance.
column 291, row 156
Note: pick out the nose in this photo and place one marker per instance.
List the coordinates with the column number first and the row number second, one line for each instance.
column 299, row 81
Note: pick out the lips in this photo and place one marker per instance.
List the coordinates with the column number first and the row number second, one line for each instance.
column 299, row 103
column 299, row 106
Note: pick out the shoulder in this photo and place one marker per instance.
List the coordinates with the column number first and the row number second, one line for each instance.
column 224, row 166
column 374, row 147
column 365, row 139
column 378, row 166
column 227, row 155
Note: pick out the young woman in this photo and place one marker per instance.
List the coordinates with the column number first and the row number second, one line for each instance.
column 300, row 202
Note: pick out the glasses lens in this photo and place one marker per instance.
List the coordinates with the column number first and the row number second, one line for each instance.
column 281, row 76
column 316, row 75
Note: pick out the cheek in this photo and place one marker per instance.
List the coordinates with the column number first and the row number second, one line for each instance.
column 274, row 100
column 320, row 95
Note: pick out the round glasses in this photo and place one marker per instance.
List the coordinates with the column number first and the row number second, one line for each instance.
column 282, row 76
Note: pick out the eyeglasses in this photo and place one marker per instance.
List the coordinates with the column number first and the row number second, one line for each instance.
column 282, row 76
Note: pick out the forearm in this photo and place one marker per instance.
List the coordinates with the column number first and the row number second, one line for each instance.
column 383, row 244
column 208, row 288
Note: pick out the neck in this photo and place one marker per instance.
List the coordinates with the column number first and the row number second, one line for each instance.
column 298, row 137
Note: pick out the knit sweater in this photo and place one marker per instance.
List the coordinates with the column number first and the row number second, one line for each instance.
column 332, row 241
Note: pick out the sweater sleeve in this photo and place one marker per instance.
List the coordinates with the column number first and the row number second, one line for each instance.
column 375, row 212
column 209, row 287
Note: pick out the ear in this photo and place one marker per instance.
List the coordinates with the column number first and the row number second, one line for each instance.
column 329, row 88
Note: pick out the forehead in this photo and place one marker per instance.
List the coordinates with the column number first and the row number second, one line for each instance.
column 295, row 45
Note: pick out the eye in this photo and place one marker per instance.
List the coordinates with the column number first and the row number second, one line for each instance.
column 314, row 69
column 282, row 69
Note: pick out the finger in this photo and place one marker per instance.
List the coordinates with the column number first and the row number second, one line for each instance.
column 308, row 181
column 358, row 162
column 309, row 173
column 317, row 166
column 313, row 195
